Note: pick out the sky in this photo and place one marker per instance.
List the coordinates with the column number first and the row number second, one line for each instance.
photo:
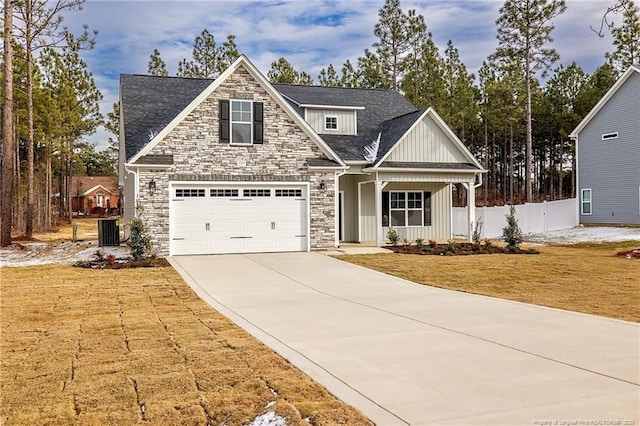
column 310, row 34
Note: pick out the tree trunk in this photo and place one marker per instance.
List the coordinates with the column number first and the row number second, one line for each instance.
column 561, row 178
column 30, row 154
column 6, row 218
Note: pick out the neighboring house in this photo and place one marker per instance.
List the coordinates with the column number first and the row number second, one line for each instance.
column 237, row 165
column 93, row 195
column 608, row 155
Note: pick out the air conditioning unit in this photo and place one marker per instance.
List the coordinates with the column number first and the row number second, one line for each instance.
column 108, row 232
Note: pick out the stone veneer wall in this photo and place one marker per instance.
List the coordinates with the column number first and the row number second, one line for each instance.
column 199, row 156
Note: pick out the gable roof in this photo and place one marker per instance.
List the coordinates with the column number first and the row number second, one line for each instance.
column 374, row 107
column 602, row 102
column 179, row 114
column 149, row 103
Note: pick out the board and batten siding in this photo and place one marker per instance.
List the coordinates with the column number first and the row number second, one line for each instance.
column 440, row 212
column 426, row 142
column 346, row 121
column 611, row 168
column 129, row 195
column 349, row 187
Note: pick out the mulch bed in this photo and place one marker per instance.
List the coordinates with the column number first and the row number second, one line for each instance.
column 630, row 254
column 458, row 249
column 119, row 263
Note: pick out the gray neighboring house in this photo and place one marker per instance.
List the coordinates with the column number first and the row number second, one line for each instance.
column 608, row 155
column 239, row 165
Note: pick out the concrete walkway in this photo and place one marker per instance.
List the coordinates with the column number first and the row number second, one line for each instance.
column 409, row 354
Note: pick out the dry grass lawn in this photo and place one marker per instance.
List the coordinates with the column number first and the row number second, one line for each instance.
column 586, row 278
column 118, row 347
column 87, row 230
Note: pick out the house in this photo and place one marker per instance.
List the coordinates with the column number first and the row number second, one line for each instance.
column 237, row 164
column 608, row 155
column 93, row 195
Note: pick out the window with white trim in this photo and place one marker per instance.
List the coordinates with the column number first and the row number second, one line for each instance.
column 406, row 208
column 256, row 193
column 607, row 136
column 331, row 122
column 586, row 202
column 189, row 192
column 241, row 122
column 288, row 193
column 223, row 193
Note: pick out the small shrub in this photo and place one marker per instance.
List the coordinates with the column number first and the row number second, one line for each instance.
column 110, row 258
column 477, row 231
column 419, row 242
column 99, row 255
column 511, row 234
column 139, row 240
column 406, row 243
column 433, row 243
column 393, row 237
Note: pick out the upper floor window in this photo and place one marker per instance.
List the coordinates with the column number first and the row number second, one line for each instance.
column 241, row 122
column 331, row 122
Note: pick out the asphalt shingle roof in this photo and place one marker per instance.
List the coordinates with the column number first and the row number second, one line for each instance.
column 379, row 107
column 149, row 103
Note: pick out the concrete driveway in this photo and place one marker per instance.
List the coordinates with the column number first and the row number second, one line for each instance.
column 409, row 354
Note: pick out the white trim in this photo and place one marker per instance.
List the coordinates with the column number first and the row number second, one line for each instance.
column 148, row 166
column 338, row 107
column 601, row 103
column 327, row 116
column 244, row 61
column 582, row 202
column 609, row 136
column 417, row 169
column 355, row 122
column 249, row 123
column 448, row 132
column 95, row 187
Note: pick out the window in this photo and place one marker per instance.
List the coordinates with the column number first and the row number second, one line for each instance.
column 288, row 193
column 410, row 208
column 241, row 122
column 607, row 136
column 185, row 193
column 256, row 193
column 331, row 122
column 224, row 193
column 585, row 207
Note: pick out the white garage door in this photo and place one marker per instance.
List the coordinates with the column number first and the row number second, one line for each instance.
column 212, row 219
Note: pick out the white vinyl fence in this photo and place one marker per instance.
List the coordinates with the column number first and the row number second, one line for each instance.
column 533, row 218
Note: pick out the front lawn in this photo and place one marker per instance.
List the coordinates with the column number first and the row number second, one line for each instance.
column 119, row 347
column 586, row 278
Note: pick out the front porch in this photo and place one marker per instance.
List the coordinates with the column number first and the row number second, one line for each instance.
column 416, row 205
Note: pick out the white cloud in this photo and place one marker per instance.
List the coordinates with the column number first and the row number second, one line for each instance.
column 310, row 34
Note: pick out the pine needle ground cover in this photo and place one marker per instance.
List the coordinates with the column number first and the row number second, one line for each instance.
column 119, row 347
column 586, row 278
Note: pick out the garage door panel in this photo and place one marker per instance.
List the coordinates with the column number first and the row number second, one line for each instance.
column 215, row 223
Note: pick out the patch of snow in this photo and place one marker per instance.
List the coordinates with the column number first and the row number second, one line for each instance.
column 590, row 234
column 270, row 404
column 269, row 418
column 42, row 253
column 371, row 150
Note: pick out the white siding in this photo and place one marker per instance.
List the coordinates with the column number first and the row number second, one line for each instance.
column 440, row 228
column 346, row 121
column 367, row 212
column 427, row 143
column 349, row 185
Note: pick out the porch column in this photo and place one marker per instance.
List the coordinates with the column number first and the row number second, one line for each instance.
column 378, row 204
column 471, row 209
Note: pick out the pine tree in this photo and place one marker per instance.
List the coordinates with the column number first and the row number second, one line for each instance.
column 626, row 38
column 329, row 77
column 524, row 33
column 208, row 60
column 282, row 71
column 349, row 75
column 156, row 65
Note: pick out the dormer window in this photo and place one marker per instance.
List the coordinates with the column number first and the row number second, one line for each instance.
column 331, row 122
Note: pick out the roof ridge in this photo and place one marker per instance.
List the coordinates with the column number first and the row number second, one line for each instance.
column 420, row 110
column 177, row 77
column 319, row 86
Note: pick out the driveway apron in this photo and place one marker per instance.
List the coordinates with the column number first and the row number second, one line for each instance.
column 404, row 353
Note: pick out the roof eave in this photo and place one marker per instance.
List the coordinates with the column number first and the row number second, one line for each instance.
column 421, row 170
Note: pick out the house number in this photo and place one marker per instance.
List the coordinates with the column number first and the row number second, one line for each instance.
column 241, row 162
